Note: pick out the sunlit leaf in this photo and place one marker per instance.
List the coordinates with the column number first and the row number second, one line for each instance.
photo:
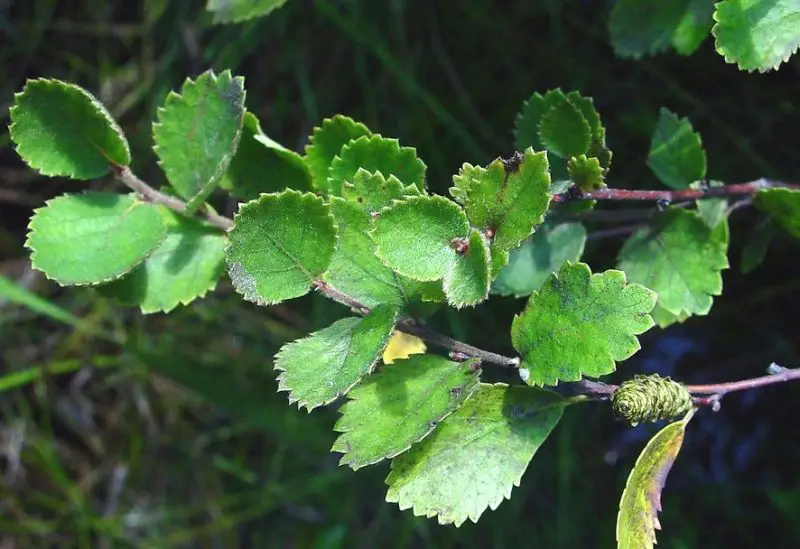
column 637, row 520
column 320, row 368
column 476, row 456
column 235, row 11
column 325, row 143
column 93, row 237
column 400, row 405
column 403, row 345
column 198, row 132
column 580, row 324
column 60, row 129
column 279, row 245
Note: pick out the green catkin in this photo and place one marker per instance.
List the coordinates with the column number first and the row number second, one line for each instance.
column 650, row 398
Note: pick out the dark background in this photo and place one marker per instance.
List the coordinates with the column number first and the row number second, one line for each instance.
column 166, row 431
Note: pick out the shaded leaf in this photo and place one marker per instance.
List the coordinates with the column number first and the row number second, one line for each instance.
column 279, row 245
column 563, row 130
column 646, row 28
column 757, row 34
column 357, row 272
column 186, row 266
column 60, row 129
column 712, row 211
column 476, row 456
column 262, row 166
column 235, row 11
column 680, row 258
column 676, row 152
column 467, row 281
column 400, row 405
column 325, row 143
column 376, row 154
column 597, row 145
column 581, row 324
column 197, row 133
column 93, row 237
column 637, row 520
column 402, row 345
column 541, row 255
column 322, row 367
column 755, row 246
column 508, row 204
column 783, row 206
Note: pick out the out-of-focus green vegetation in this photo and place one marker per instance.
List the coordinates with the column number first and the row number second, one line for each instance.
column 118, row 430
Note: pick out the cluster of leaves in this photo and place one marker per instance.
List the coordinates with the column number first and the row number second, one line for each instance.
column 352, row 218
column 754, row 34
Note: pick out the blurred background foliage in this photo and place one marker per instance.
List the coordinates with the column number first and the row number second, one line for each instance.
column 119, row 430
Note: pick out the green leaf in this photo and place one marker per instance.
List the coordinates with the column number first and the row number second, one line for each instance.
column 646, row 28
column 325, row 143
column 320, row 368
column 357, row 272
column 783, row 206
column 476, row 456
column 664, row 318
column 235, row 11
column 712, row 211
column 467, row 282
column 694, row 26
column 197, row 133
column 637, row 520
column 680, row 258
column 372, row 191
column 586, row 173
column 543, row 253
column 262, row 166
column 581, row 324
column 755, row 246
column 61, row 130
column 376, row 154
column 676, row 153
column 597, row 147
column 94, row 237
column 416, row 237
column 280, row 244
column 564, row 131
column 506, row 203
column 526, row 128
column 757, row 34
column 186, row 266
column 401, row 405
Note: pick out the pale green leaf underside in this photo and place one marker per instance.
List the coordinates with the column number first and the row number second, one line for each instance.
column 376, row 154
column 581, row 324
column 61, row 130
column 357, row 272
column 757, row 34
column 322, row 367
column 234, row 11
column 541, row 255
column 198, row 132
column 325, row 143
column 676, row 152
column 415, row 237
column 263, row 166
column 637, row 520
column 186, row 266
column 646, row 28
column 400, row 405
column 93, row 237
column 783, row 206
column 509, row 204
column 476, row 455
column 279, row 245
column 680, row 258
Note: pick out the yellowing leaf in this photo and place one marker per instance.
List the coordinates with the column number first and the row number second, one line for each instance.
column 637, row 520
column 403, row 345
